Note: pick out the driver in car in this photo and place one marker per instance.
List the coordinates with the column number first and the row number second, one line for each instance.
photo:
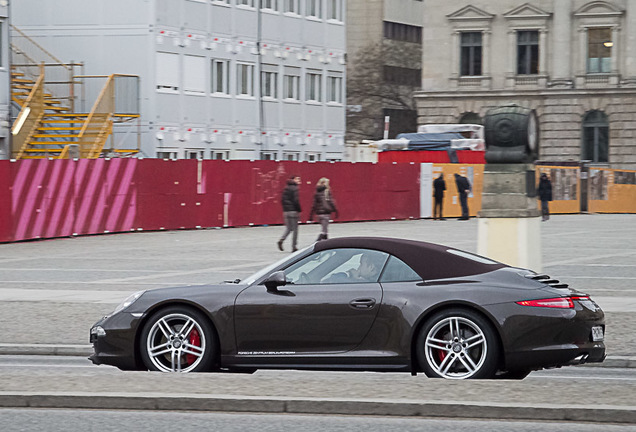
column 367, row 271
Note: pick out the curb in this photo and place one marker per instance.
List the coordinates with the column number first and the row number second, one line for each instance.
column 186, row 402
column 86, row 350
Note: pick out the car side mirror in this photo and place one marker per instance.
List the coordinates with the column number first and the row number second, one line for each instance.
column 275, row 280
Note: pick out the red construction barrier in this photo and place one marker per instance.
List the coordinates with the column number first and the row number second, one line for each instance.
column 437, row 156
column 6, row 226
column 54, row 198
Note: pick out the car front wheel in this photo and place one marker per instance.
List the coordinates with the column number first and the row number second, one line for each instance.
column 178, row 339
column 458, row 344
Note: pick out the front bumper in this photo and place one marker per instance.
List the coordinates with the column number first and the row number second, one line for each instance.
column 114, row 341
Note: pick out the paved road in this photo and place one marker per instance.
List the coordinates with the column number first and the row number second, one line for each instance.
column 54, row 290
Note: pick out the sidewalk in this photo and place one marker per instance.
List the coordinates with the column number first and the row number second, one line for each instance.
column 332, row 393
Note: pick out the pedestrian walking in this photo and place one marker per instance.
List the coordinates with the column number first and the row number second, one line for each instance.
column 463, row 188
column 439, row 186
column 323, row 206
column 544, row 193
column 291, row 211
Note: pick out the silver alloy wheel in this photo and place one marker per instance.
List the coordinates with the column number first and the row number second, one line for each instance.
column 456, row 348
column 176, row 343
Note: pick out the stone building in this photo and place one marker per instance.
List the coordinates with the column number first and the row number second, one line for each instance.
column 573, row 61
column 384, row 51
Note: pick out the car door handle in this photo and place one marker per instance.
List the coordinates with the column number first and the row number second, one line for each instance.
column 365, row 303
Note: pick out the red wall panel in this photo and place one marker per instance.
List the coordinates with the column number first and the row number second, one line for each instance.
column 52, row 198
column 437, row 156
column 6, row 225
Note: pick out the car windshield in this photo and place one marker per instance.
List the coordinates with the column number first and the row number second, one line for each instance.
column 270, row 268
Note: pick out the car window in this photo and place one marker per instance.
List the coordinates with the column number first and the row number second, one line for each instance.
column 397, row 271
column 337, row 266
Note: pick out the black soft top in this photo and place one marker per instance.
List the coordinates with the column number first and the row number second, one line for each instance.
column 429, row 260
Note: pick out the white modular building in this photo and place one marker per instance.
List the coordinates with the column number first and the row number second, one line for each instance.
column 219, row 79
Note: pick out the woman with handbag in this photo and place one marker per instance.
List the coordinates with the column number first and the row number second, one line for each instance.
column 323, row 206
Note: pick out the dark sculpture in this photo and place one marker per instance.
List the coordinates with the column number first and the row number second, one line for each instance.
column 511, row 134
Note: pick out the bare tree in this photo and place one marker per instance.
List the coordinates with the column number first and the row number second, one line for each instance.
column 381, row 79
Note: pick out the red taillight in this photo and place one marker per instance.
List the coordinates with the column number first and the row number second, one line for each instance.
column 559, row 302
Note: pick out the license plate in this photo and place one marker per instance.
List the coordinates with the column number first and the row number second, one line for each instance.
column 597, row 333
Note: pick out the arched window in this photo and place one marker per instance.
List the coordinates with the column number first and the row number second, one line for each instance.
column 470, row 118
column 595, row 137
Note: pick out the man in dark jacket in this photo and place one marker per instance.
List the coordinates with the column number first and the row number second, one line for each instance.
column 439, row 186
column 463, row 188
column 544, row 193
column 291, row 211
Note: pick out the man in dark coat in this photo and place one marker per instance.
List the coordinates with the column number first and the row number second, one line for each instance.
column 463, row 188
column 544, row 193
column 291, row 211
column 439, row 186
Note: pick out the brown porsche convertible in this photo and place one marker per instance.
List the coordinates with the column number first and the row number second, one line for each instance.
column 360, row 303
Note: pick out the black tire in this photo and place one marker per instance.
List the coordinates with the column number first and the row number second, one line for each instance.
column 458, row 344
column 178, row 339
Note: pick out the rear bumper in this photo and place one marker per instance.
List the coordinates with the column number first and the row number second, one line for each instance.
column 556, row 356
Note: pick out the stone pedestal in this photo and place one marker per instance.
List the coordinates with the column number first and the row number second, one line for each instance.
column 509, row 224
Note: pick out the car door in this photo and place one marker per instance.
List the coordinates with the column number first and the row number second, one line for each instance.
column 318, row 311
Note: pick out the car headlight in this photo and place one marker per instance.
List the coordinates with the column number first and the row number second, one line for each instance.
column 129, row 300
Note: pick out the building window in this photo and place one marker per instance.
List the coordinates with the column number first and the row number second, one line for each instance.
column 470, row 52
column 402, row 76
column 269, row 81
column 167, row 155
column 313, row 87
column 245, row 79
column 220, row 76
column 268, row 155
column 291, row 83
column 314, row 8
column 291, row 6
column 402, row 32
column 269, row 4
column 595, row 137
column 470, row 118
column 528, row 52
column 334, row 10
column 220, row 154
column 290, row 156
column 599, row 50
column 194, row 154
column 334, row 89
column 194, row 79
column 249, row 3
column 167, row 71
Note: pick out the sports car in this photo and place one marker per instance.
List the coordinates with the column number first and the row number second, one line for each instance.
column 360, row 303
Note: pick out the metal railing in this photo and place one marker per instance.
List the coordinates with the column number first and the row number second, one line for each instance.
column 28, row 57
column 118, row 101
column 29, row 118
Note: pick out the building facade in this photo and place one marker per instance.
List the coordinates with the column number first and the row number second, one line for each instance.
column 220, row 79
column 384, row 49
column 5, row 82
column 573, row 61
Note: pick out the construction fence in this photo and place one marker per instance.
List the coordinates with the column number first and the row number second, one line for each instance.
column 58, row 198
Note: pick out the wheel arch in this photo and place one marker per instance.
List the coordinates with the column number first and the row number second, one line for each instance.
column 453, row 305
column 171, row 303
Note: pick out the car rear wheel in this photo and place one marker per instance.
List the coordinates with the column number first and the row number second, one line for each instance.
column 458, row 344
column 178, row 339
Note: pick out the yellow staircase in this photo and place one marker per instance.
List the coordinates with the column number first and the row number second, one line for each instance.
column 53, row 131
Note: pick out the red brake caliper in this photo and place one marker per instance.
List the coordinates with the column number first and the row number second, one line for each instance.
column 194, row 339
